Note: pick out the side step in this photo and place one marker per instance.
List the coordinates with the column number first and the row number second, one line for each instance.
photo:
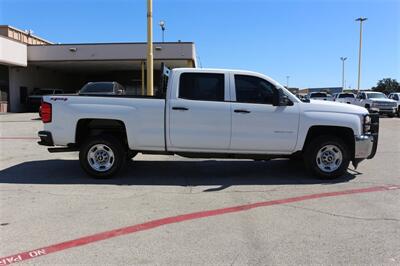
column 62, row 149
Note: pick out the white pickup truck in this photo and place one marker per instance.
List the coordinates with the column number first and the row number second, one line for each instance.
column 210, row 113
column 377, row 101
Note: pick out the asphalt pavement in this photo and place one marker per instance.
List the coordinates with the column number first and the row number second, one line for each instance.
column 174, row 211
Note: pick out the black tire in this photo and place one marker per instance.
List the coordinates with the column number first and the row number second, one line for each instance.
column 311, row 153
column 390, row 115
column 118, row 152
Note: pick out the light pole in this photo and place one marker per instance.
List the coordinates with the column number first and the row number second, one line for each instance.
column 149, row 62
column 287, row 82
column 343, row 59
column 162, row 25
column 361, row 19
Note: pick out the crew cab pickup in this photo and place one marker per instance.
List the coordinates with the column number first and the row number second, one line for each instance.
column 377, row 101
column 210, row 113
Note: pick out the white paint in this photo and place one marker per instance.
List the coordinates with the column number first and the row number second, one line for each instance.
column 36, row 253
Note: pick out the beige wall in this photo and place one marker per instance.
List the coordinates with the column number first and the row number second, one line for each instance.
column 115, row 51
column 12, row 52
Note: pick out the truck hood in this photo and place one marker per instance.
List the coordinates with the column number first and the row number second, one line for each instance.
column 333, row 107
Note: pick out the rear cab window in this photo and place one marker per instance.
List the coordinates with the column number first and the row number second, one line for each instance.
column 346, row 95
column 202, row 86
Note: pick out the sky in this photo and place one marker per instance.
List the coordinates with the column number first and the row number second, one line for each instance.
column 302, row 39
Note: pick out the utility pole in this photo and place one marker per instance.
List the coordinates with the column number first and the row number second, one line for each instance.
column 361, row 19
column 343, row 59
column 150, row 91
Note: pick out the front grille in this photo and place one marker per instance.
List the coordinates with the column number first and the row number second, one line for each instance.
column 385, row 104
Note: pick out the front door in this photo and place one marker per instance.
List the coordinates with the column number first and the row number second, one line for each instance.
column 257, row 125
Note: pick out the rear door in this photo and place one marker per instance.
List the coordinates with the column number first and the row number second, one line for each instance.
column 199, row 113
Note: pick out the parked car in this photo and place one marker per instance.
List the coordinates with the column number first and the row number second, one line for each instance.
column 35, row 98
column 103, row 88
column 345, row 97
column 209, row 113
column 377, row 101
column 395, row 96
column 319, row 96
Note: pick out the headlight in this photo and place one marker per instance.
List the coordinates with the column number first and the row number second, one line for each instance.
column 367, row 124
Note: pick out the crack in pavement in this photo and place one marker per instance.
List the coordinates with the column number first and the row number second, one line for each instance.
column 343, row 216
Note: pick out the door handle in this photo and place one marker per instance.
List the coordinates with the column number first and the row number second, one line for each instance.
column 180, row 108
column 242, row 111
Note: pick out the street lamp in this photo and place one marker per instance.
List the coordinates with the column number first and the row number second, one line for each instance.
column 162, row 25
column 343, row 59
column 361, row 19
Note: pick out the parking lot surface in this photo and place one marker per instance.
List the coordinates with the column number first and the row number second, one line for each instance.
column 266, row 212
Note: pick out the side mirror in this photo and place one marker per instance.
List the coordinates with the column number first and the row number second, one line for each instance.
column 284, row 100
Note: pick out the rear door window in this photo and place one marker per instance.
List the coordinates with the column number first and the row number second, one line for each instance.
column 202, row 86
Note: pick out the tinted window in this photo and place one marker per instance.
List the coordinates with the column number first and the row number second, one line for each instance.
column 100, row 87
column 318, row 94
column 202, row 86
column 346, row 95
column 251, row 89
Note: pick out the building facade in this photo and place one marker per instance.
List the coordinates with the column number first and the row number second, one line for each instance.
column 26, row 67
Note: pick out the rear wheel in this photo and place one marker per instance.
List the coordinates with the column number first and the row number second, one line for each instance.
column 327, row 157
column 102, row 156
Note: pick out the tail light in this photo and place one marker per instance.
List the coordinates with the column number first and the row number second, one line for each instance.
column 46, row 112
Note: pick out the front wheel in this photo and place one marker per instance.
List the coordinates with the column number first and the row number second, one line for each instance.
column 327, row 157
column 102, row 156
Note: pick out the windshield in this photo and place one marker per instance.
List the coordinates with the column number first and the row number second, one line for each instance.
column 346, row 95
column 100, row 87
column 377, row 95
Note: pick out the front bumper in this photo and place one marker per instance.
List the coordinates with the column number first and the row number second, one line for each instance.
column 367, row 144
column 387, row 110
column 363, row 146
column 46, row 139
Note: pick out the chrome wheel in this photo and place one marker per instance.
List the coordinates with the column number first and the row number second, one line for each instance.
column 100, row 157
column 329, row 158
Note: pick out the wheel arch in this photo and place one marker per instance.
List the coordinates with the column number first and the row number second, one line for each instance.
column 344, row 133
column 89, row 127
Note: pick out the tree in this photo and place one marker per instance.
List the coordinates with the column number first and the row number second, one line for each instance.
column 387, row 85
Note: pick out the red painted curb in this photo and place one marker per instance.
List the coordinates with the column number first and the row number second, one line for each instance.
column 8, row 138
column 176, row 219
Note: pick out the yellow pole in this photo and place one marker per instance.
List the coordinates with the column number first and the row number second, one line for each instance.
column 143, row 92
column 150, row 91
